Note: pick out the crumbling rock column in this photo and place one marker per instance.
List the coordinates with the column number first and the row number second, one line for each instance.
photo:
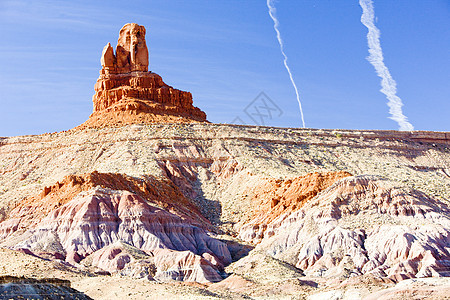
column 127, row 93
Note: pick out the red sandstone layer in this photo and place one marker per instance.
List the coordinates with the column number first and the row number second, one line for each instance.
column 126, row 93
column 276, row 197
column 162, row 192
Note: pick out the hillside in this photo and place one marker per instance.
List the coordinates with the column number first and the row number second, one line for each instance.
column 246, row 183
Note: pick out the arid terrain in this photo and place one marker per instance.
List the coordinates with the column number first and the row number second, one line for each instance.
column 315, row 210
column 148, row 200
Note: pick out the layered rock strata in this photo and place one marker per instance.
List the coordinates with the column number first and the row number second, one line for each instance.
column 127, row 93
column 30, row 211
column 274, row 198
column 102, row 217
column 12, row 287
column 139, row 227
column 281, row 190
column 361, row 225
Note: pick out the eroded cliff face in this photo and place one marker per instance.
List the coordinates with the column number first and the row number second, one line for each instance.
column 274, row 198
column 363, row 225
column 161, row 192
column 11, row 287
column 100, row 217
column 181, row 202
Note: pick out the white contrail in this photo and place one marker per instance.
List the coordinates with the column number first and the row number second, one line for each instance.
column 388, row 84
column 272, row 13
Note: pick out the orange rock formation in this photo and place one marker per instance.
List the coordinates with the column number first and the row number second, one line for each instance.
column 276, row 197
column 127, row 93
column 30, row 211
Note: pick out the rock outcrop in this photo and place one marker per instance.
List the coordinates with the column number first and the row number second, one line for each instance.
column 101, row 217
column 161, row 192
column 127, row 93
column 162, row 265
column 274, row 198
column 12, row 287
column 363, row 225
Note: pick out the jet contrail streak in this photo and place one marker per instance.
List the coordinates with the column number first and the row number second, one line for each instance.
column 388, row 84
column 272, row 13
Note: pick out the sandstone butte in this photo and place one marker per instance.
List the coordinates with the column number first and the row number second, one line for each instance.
column 127, row 93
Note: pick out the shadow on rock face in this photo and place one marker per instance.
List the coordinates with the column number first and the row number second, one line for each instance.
column 237, row 250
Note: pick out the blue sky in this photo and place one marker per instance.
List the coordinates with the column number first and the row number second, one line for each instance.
column 226, row 54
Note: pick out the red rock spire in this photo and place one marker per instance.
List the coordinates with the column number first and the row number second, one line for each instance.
column 127, row 93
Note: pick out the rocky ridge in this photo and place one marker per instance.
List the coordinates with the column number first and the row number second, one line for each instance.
column 29, row 288
column 289, row 193
column 363, row 224
column 163, row 193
